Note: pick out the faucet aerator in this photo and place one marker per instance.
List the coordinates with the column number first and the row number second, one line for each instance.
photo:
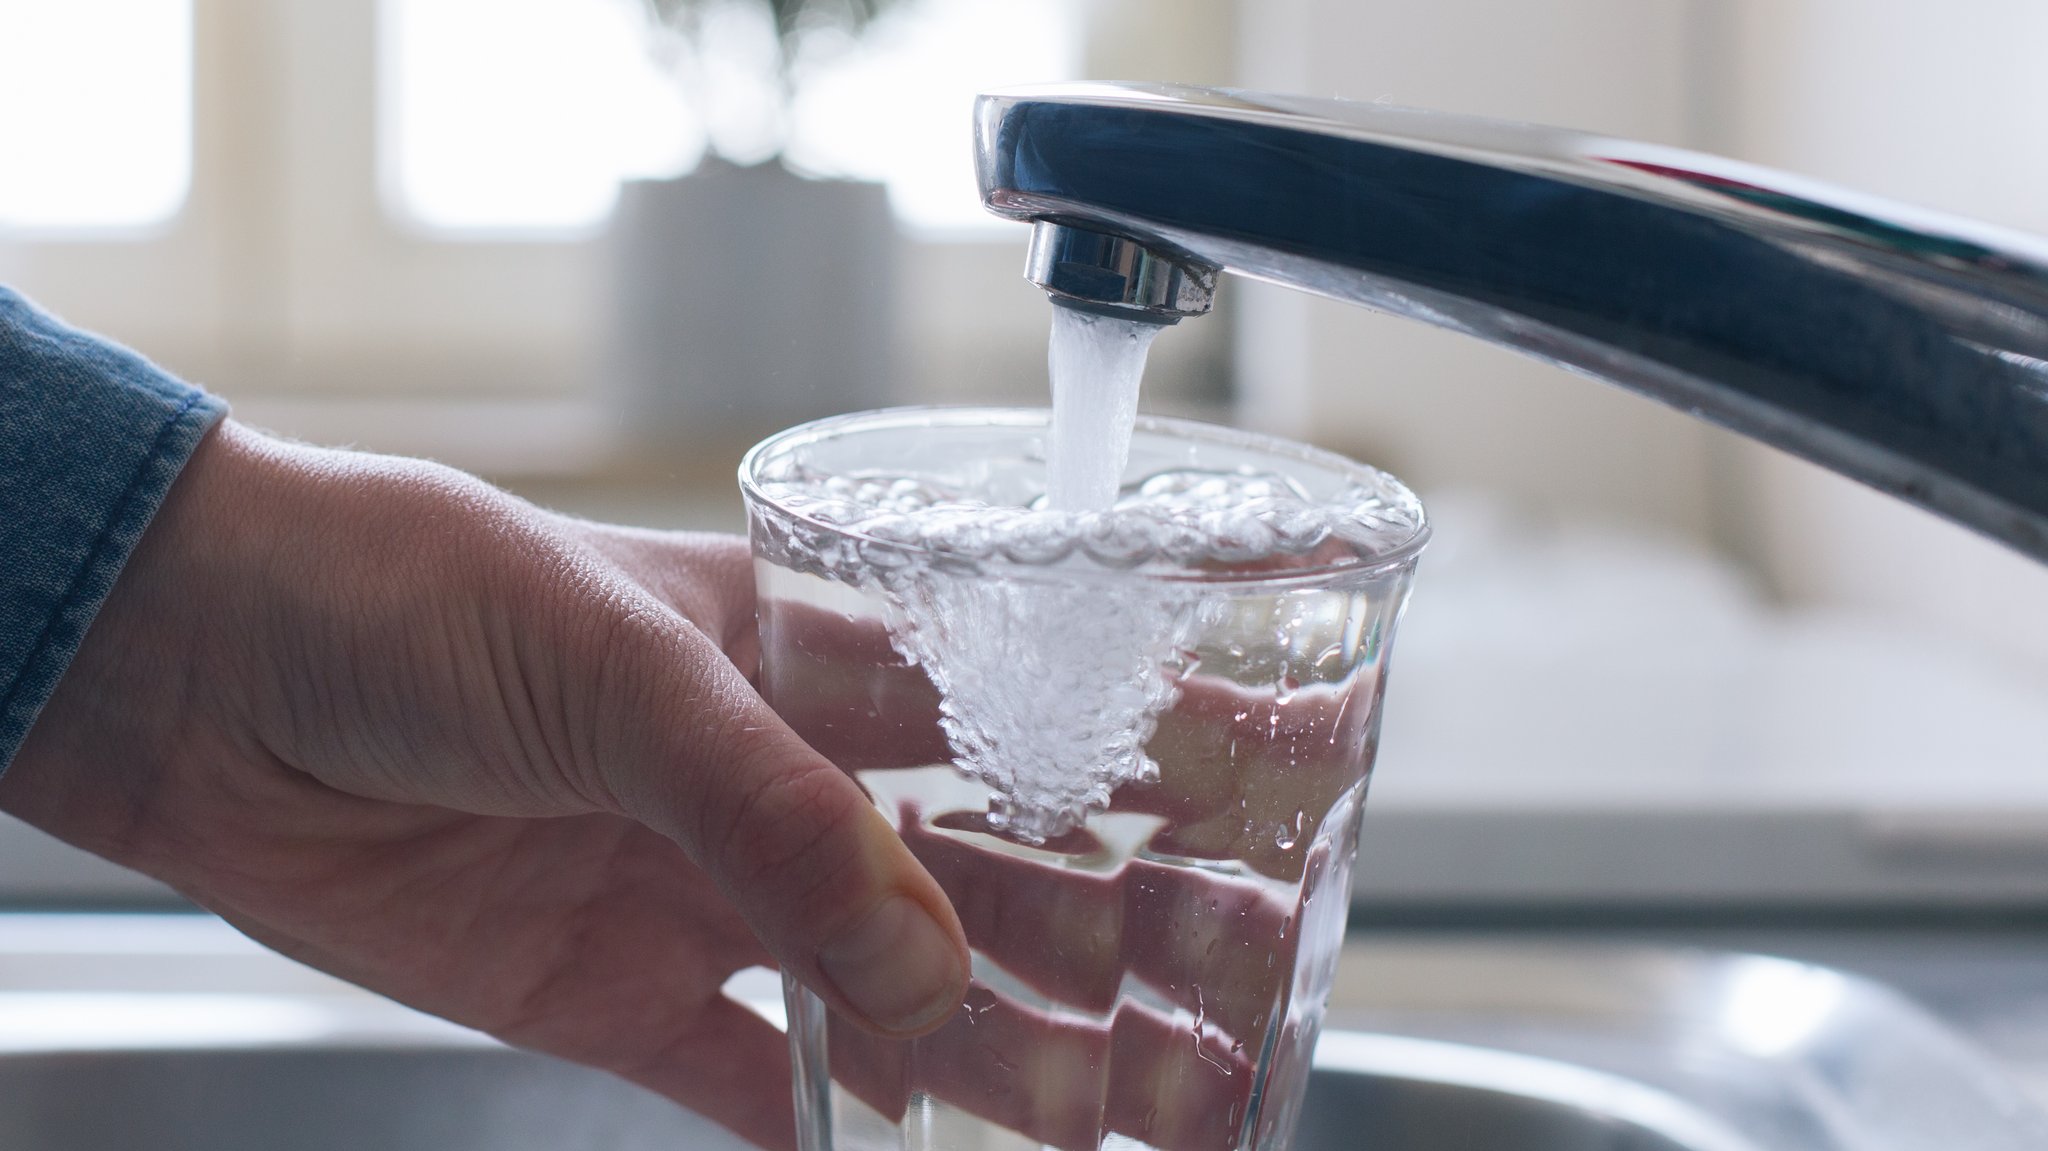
column 1109, row 275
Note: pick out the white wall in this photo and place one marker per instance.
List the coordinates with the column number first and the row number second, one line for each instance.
column 1944, row 104
column 287, row 286
column 282, row 275
column 1941, row 104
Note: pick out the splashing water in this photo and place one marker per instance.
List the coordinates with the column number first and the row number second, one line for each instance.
column 1051, row 679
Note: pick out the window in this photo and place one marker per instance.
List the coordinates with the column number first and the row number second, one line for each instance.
column 900, row 110
column 97, row 132
column 522, row 116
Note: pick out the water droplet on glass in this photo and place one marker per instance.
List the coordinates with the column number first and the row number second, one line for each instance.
column 1286, row 837
column 979, row 1000
column 1284, row 691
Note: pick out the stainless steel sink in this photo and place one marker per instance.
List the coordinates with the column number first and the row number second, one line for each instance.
column 173, row 1033
column 1380, row 1092
column 480, row 1099
column 389, row 1098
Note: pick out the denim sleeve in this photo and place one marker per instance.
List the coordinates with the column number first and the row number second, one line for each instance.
column 91, row 436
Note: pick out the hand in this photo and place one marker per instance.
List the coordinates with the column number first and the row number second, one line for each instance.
column 500, row 765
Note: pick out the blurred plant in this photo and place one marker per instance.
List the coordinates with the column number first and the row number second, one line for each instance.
column 741, row 62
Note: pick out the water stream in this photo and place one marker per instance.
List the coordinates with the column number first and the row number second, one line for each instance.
column 1096, row 364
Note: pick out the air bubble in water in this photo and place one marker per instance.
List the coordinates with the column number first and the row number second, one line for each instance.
column 1009, row 656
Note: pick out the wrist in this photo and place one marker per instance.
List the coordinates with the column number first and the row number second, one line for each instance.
column 136, row 696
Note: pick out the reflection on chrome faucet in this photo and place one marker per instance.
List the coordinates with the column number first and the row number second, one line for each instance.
column 1896, row 346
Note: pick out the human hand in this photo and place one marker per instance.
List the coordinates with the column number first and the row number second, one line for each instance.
column 500, row 765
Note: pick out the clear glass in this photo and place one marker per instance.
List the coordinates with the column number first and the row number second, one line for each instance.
column 1156, row 977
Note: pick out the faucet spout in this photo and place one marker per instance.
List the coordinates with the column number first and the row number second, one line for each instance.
column 1116, row 276
column 1902, row 348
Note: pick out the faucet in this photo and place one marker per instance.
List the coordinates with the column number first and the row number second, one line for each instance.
column 1897, row 346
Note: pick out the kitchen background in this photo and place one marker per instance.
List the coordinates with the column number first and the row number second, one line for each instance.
column 1649, row 669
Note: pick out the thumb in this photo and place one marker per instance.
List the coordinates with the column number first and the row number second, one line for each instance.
column 792, row 841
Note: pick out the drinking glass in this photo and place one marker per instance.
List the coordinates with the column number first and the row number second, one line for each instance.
column 1151, row 976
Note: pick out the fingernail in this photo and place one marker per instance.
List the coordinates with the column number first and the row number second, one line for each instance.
column 896, row 967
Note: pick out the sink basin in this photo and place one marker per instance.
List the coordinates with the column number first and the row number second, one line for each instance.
column 487, row 1099
column 175, row 1034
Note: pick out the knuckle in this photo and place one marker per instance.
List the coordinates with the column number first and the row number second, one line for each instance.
column 790, row 830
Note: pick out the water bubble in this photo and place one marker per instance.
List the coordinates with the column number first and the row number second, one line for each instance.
column 970, row 539
column 1299, row 528
column 1183, row 542
column 885, row 556
column 1117, row 542
column 1236, row 536
column 1038, row 538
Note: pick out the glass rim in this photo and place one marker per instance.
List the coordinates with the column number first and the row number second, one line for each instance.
column 794, row 438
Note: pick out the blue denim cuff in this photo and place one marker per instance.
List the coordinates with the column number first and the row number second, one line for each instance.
column 91, row 437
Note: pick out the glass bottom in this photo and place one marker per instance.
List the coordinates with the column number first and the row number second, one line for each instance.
column 1123, row 999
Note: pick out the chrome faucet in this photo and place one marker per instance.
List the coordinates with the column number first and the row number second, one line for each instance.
column 1902, row 348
